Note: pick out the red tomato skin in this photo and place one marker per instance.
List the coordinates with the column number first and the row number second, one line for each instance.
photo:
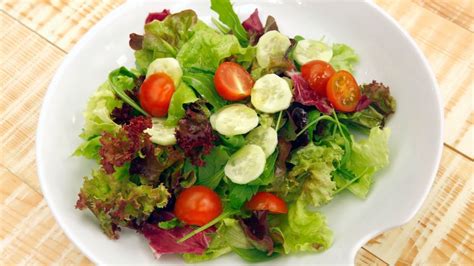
column 343, row 92
column 232, row 81
column 265, row 201
column 155, row 94
column 197, row 205
column 317, row 74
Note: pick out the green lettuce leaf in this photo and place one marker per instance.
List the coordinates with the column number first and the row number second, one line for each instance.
column 343, row 58
column 368, row 156
column 207, row 48
column 97, row 114
column 181, row 96
column 228, row 16
column 315, row 164
column 229, row 235
column 203, row 84
column 89, row 149
column 165, row 38
column 116, row 201
column 305, row 230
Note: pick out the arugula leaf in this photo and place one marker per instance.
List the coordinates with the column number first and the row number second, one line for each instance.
column 204, row 85
column 312, row 116
column 181, row 96
column 212, row 173
column 120, row 80
column 268, row 174
column 228, row 16
column 363, row 120
column 170, row 224
column 234, row 142
column 239, row 194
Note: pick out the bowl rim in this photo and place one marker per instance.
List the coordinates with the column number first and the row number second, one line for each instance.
column 91, row 33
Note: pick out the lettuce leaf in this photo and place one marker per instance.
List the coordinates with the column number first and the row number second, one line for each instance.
column 165, row 241
column 229, row 235
column 183, row 95
column 343, row 58
column 97, row 114
column 165, row 38
column 305, row 230
column 207, row 48
column 228, row 16
column 368, row 156
column 315, row 164
column 116, row 201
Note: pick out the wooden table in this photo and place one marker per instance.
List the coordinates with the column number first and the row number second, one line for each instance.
column 35, row 36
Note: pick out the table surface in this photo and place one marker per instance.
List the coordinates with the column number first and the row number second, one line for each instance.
column 35, row 36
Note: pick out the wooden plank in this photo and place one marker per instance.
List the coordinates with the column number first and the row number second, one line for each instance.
column 450, row 51
column 442, row 232
column 61, row 22
column 364, row 257
column 29, row 234
column 25, row 72
column 457, row 11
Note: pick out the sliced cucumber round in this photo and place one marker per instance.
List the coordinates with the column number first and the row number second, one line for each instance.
column 234, row 119
column 308, row 50
column 160, row 133
column 271, row 94
column 246, row 164
column 265, row 137
column 169, row 66
column 271, row 46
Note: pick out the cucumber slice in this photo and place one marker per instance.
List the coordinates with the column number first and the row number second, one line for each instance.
column 161, row 134
column 308, row 50
column 246, row 164
column 265, row 137
column 234, row 119
column 169, row 66
column 271, row 46
column 271, row 94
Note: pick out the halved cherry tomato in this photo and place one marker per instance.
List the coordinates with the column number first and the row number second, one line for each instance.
column 265, row 201
column 343, row 92
column 232, row 81
column 155, row 94
column 317, row 74
column 197, row 205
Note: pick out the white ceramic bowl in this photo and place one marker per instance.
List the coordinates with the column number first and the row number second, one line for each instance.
column 387, row 54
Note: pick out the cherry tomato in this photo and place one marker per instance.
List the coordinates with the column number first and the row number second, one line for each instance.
column 343, row 92
column 232, row 81
column 317, row 74
column 155, row 94
column 197, row 205
column 265, row 201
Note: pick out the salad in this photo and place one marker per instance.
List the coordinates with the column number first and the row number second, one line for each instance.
column 229, row 138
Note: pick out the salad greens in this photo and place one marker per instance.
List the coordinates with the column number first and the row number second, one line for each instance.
column 247, row 140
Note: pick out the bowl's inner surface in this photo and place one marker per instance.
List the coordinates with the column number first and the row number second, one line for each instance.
column 386, row 55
